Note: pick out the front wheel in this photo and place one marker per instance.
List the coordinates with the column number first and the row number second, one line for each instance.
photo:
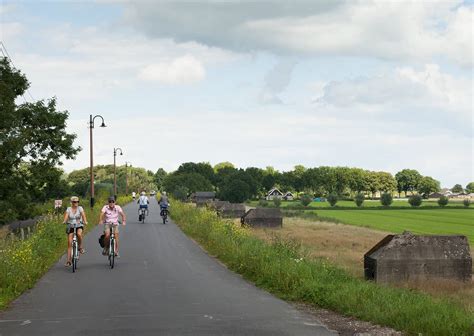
column 112, row 254
column 74, row 257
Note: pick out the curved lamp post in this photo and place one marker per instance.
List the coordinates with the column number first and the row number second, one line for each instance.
column 115, row 171
column 91, row 126
column 127, row 164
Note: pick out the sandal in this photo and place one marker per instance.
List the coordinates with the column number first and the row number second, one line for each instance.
column 68, row 264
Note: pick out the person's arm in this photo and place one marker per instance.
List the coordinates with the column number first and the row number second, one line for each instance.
column 101, row 218
column 124, row 218
column 65, row 217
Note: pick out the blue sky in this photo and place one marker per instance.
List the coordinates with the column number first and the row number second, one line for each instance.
column 373, row 84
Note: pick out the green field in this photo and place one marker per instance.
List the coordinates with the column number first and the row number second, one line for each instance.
column 367, row 204
column 433, row 221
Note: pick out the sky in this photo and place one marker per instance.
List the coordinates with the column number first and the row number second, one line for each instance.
column 379, row 85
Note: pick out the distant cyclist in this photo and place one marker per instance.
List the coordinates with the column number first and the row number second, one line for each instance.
column 143, row 201
column 109, row 216
column 134, row 195
column 74, row 215
column 163, row 202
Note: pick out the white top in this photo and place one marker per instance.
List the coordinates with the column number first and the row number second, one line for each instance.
column 143, row 200
column 133, row 194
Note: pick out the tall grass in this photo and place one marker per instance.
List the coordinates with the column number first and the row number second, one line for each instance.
column 23, row 262
column 282, row 268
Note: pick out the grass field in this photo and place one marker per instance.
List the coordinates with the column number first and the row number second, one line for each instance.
column 433, row 221
column 367, row 204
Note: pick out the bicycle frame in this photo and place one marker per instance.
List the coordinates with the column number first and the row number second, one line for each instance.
column 112, row 246
column 75, row 249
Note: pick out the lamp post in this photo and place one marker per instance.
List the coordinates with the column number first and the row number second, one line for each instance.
column 126, row 176
column 115, row 171
column 91, row 126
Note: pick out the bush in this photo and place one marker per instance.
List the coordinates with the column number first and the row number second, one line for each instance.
column 466, row 202
column 277, row 202
column 262, row 202
column 443, row 201
column 359, row 199
column 332, row 199
column 386, row 199
column 306, row 200
column 415, row 200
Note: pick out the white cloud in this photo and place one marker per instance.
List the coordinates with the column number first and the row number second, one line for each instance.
column 425, row 97
column 276, row 81
column 182, row 70
column 10, row 30
column 382, row 29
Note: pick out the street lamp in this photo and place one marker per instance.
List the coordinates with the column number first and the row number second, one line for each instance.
column 91, row 126
column 115, row 171
column 126, row 176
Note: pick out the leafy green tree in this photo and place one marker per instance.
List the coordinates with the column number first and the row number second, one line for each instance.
column 415, row 200
column 443, row 201
column 332, row 199
column 386, row 199
column 306, row 199
column 359, row 199
column 373, row 182
column 407, row 180
column 386, row 182
column 457, row 189
column 191, row 181
column 470, row 188
column 202, row 168
column 235, row 191
column 159, row 178
column 262, row 202
column 221, row 165
column 428, row 185
column 33, row 141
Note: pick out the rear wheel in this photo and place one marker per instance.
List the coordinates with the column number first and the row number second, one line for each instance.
column 143, row 216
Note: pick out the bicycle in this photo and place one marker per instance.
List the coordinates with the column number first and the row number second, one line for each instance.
column 75, row 249
column 141, row 215
column 111, row 256
column 164, row 214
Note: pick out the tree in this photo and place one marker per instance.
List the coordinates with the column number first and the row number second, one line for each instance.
column 359, row 199
column 466, row 202
column 407, row 180
column 202, row 168
column 428, row 185
column 236, row 191
column 457, row 189
column 443, row 201
column 221, row 165
column 332, row 199
column 33, row 141
column 277, row 202
column 159, row 178
column 306, row 200
column 470, row 188
column 415, row 200
column 386, row 182
column 386, row 199
column 191, row 181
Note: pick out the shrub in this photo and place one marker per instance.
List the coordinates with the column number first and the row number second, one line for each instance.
column 277, row 202
column 386, row 199
column 443, row 201
column 332, row 199
column 415, row 200
column 466, row 202
column 262, row 202
column 306, row 200
column 359, row 199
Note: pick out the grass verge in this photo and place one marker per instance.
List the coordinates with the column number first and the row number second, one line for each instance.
column 22, row 263
column 281, row 268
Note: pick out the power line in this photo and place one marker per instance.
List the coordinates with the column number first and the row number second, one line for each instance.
column 7, row 55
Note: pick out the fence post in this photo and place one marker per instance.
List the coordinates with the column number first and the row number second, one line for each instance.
column 22, row 232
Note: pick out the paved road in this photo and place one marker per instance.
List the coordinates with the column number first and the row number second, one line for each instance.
column 163, row 284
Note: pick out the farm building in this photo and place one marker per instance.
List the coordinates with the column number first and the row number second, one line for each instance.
column 274, row 193
column 231, row 210
column 407, row 257
column 201, row 197
column 288, row 196
column 263, row 217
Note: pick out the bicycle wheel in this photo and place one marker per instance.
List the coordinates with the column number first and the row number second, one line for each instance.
column 164, row 217
column 112, row 254
column 74, row 257
column 143, row 217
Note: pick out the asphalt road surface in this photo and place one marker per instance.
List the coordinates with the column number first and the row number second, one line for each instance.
column 163, row 284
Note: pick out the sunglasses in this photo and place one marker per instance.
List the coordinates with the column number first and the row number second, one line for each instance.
column 75, row 202
column 111, row 201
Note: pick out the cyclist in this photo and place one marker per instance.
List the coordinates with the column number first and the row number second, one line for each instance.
column 74, row 215
column 110, row 216
column 143, row 201
column 163, row 202
column 134, row 195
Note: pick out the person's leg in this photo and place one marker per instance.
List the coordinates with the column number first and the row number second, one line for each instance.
column 116, row 242
column 79, row 238
column 106, row 237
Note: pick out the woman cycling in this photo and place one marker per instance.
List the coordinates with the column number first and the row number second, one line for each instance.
column 74, row 215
